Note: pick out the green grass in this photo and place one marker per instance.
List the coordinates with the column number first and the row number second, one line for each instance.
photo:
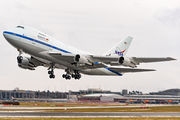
column 48, row 104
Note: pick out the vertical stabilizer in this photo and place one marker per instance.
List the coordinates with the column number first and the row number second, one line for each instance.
column 121, row 48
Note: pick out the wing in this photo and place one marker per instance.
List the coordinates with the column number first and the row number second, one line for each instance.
column 114, row 61
column 104, row 61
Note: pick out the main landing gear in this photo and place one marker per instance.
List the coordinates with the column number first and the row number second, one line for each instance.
column 51, row 72
column 74, row 74
column 69, row 73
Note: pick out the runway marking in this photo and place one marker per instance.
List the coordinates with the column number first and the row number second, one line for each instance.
column 90, row 114
column 86, row 116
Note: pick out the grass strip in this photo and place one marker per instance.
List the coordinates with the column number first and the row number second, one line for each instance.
column 90, row 118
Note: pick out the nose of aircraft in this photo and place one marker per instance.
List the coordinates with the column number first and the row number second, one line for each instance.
column 6, row 34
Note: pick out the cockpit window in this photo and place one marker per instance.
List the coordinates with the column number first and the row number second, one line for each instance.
column 20, row 27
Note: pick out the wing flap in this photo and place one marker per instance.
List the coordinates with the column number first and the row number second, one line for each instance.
column 63, row 56
column 96, row 65
column 96, row 58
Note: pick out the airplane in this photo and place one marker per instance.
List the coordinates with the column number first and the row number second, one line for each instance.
column 44, row 50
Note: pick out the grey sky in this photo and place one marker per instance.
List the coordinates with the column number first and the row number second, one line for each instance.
column 96, row 26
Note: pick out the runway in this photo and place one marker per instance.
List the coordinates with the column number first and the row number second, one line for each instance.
column 88, row 114
column 87, row 107
column 41, row 112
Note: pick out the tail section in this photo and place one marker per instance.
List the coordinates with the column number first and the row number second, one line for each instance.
column 121, row 48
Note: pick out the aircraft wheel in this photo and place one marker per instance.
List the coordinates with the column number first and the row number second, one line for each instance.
column 50, row 76
column 64, row 76
column 49, row 72
column 53, row 76
column 79, row 76
column 76, row 77
column 69, row 77
column 73, row 75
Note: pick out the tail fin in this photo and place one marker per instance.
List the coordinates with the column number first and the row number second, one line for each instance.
column 121, row 48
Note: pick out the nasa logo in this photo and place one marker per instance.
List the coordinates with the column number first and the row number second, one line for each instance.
column 119, row 52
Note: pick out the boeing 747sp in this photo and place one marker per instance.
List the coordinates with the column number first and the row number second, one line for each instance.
column 46, row 51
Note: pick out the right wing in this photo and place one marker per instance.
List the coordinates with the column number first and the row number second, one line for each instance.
column 134, row 60
column 102, row 61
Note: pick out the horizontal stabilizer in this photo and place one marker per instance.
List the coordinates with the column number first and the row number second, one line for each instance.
column 146, row 60
column 124, row 70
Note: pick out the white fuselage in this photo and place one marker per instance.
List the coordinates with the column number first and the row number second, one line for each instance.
column 39, row 44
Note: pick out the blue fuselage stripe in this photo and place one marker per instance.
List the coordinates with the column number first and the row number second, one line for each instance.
column 113, row 71
column 34, row 40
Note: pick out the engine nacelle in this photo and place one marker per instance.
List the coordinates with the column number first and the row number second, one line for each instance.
column 124, row 61
column 22, row 60
column 80, row 59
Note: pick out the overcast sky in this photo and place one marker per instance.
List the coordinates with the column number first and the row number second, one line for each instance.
column 96, row 26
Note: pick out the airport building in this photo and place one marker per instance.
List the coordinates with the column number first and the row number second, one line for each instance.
column 131, row 99
column 167, row 92
column 134, row 97
column 11, row 94
column 171, row 96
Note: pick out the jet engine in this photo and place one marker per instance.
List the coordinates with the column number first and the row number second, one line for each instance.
column 27, row 62
column 23, row 60
column 80, row 59
column 124, row 61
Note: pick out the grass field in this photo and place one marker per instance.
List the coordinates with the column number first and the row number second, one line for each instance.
column 53, row 104
column 100, row 118
column 125, row 109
